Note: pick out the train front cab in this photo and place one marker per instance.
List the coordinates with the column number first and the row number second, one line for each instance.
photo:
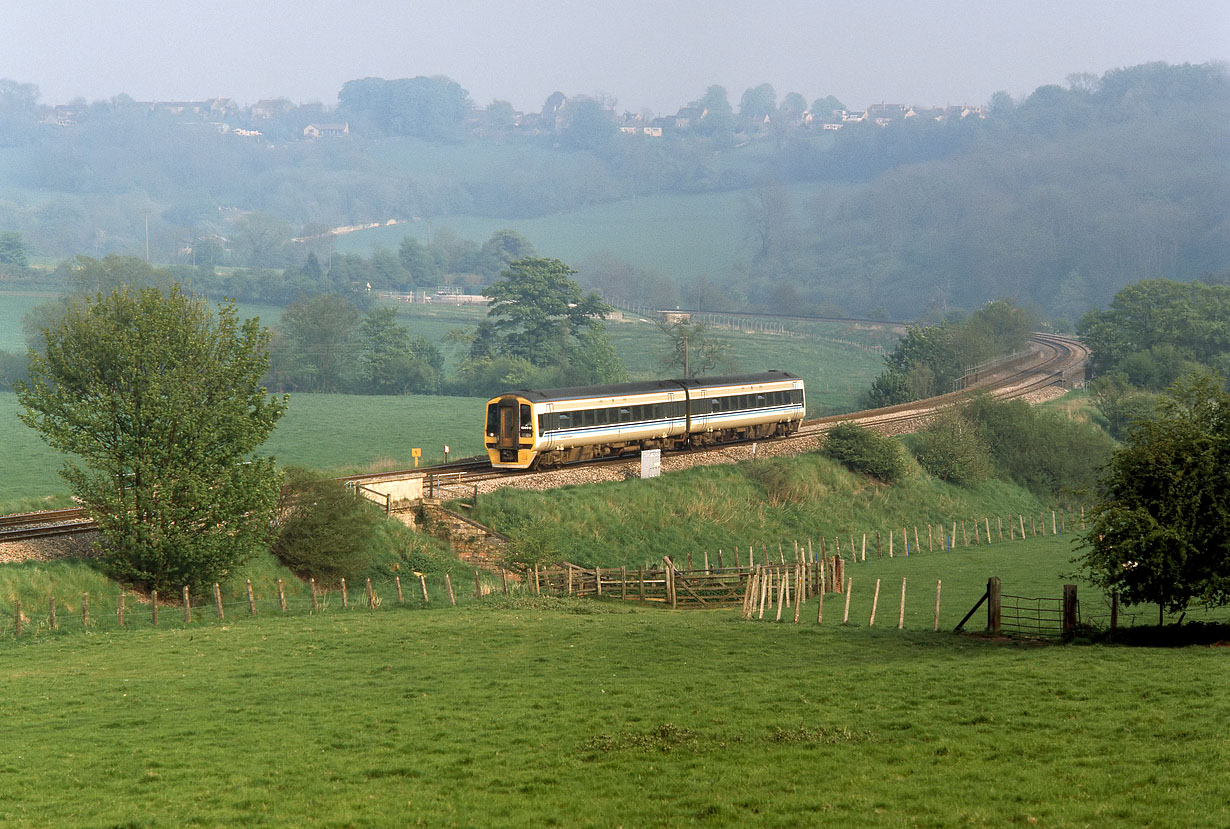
column 510, row 432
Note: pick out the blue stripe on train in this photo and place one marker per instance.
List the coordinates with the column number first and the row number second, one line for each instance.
column 613, row 429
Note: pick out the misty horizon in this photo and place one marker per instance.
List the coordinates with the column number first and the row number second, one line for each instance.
column 641, row 56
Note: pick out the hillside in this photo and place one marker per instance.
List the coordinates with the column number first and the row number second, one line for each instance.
column 1056, row 200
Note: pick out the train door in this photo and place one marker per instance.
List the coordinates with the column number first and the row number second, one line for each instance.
column 507, row 431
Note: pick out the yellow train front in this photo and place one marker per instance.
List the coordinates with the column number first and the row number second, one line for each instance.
column 551, row 427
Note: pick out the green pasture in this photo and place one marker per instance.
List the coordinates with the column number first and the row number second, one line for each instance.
column 341, row 433
column 685, row 236
column 529, row 711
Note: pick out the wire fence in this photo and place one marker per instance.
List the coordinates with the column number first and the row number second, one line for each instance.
column 130, row 609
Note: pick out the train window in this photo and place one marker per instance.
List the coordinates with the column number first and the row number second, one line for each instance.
column 527, row 421
column 716, row 404
column 565, row 421
column 493, row 420
column 625, row 415
column 760, row 401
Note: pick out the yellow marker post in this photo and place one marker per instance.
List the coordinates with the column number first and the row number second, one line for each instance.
column 416, row 454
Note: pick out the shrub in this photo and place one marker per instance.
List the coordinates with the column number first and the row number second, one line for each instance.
column 323, row 530
column 952, row 450
column 862, row 450
column 1041, row 450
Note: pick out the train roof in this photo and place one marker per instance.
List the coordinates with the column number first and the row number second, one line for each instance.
column 649, row 386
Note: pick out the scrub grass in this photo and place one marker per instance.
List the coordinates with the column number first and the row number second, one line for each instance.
column 583, row 713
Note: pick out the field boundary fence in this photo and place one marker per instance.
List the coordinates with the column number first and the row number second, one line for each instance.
column 1043, row 617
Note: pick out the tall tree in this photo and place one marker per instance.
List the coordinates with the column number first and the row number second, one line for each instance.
column 394, row 362
column 13, row 249
column 692, row 350
column 1161, row 532
column 537, row 312
column 160, row 401
column 757, row 103
column 320, row 332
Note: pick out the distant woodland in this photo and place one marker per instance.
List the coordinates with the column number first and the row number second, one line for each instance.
column 1056, row 201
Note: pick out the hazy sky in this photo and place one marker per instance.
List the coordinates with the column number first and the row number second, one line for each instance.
column 646, row 54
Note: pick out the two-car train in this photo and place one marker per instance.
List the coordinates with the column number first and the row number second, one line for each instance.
column 550, row 427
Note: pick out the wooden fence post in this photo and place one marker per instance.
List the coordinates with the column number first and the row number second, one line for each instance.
column 345, row 597
column 798, row 591
column 17, row 618
column 845, row 617
column 478, row 585
column 875, row 600
column 930, row 542
column 423, row 584
column 448, row 582
column 820, row 599
column 504, row 579
column 315, row 598
column 371, row 596
column 993, row 605
column 937, row 604
column 187, row 606
column 598, row 577
column 901, row 612
column 1114, row 610
column 397, row 582
column 120, row 610
column 281, row 596
column 623, row 580
column 218, row 599
column 1069, row 608
column 85, row 610
column 154, row 606
column 251, row 599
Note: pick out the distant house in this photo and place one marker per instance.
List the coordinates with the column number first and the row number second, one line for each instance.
column 653, row 132
column 267, row 108
column 326, row 130
column 689, row 117
column 60, row 115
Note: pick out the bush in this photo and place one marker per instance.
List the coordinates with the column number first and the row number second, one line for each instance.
column 323, row 530
column 862, row 450
column 952, row 450
column 1041, row 450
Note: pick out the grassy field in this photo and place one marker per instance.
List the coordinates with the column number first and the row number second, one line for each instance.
column 685, row 236
column 341, row 433
column 581, row 713
column 354, row 433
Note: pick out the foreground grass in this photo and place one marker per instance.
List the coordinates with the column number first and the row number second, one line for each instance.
column 559, row 713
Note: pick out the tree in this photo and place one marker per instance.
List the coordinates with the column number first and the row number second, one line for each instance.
column 757, row 103
column 262, row 239
column 12, row 249
column 323, row 529
column 692, row 349
column 589, row 125
column 393, row 361
column 319, row 331
column 160, row 401
column 537, row 312
column 1161, row 530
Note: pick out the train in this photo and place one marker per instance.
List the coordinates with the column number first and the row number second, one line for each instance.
column 545, row 428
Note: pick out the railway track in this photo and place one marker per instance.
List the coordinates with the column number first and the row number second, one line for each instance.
column 1055, row 358
column 25, row 525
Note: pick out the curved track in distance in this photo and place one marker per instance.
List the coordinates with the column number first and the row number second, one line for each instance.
column 1055, row 360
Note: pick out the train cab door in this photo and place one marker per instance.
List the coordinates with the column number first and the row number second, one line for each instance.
column 506, row 432
column 513, row 426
